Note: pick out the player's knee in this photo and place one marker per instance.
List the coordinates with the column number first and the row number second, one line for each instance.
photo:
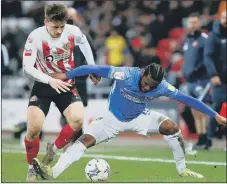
column 87, row 140
column 168, row 127
column 33, row 130
column 75, row 120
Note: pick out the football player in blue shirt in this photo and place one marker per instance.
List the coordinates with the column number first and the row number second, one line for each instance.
column 132, row 90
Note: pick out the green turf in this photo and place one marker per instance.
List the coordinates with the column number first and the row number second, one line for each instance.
column 14, row 168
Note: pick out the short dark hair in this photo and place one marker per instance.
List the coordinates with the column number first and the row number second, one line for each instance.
column 155, row 71
column 56, row 12
column 195, row 14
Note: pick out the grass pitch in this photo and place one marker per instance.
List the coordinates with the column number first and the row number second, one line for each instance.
column 129, row 163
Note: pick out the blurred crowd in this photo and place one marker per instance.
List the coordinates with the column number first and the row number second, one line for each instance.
column 123, row 33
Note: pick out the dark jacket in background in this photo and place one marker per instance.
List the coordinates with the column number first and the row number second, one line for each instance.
column 194, row 67
column 215, row 52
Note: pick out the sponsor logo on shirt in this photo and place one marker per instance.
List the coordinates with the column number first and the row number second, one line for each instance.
column 132, row 96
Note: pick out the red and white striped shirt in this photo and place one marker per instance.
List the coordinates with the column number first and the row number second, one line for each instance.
column 44, row 55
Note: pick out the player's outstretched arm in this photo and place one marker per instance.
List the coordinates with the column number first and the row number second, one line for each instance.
column 110, row 72
column 172, row 92
column 102, row 71
column 200, row 106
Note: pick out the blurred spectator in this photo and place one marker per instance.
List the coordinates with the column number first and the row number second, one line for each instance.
column 174, row 16
column 5, row 70
column 195, row 71
column 221, row 8
column 189, row 7
column 11, row 8
column 116, row 48
column 174, row 73
column 215, row 60
column 145, row 56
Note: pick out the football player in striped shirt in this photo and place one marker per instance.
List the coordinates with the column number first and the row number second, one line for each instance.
column 49, row 49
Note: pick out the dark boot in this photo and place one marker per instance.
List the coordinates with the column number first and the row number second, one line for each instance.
column 208, row 145
column 200, row 141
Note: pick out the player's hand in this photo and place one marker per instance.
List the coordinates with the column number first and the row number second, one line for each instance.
column 59, row 85
column 221, row 120
column 59, row 75
column 215, row 81
column 95, row 79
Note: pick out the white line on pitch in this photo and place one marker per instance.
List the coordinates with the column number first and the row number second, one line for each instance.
column 130, row 158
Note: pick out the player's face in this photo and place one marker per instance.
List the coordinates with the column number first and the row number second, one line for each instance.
column 223, row 19
column 194, row 24
column 55, row 28
column 147, row 84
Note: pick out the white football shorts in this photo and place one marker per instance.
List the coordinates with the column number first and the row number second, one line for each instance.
column 108, row 126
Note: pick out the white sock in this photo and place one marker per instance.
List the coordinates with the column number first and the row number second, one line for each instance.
column 178, row 150
column 30, row 166
column 72, row 154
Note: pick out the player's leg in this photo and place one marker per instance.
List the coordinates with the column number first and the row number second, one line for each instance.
column 82, row 90
column 201, row 92
column 172, row 134
column 195, row 90
column 212, row 124
column 154, row 122
column 70, row 105
column 100, row 130
column 36, row 112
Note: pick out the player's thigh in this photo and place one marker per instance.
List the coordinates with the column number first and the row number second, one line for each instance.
column 70, row 105
column 104, row 128
column 38, row 108
column 148, row 123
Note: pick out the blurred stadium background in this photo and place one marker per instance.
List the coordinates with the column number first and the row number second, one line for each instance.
column 145, row 32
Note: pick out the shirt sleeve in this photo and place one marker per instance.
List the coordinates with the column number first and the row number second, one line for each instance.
column 29, row 59
column 102, row 71
column 172, row 92
column 82, row 42
column 209, row 50
column 118, row 73
column 110, row 72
